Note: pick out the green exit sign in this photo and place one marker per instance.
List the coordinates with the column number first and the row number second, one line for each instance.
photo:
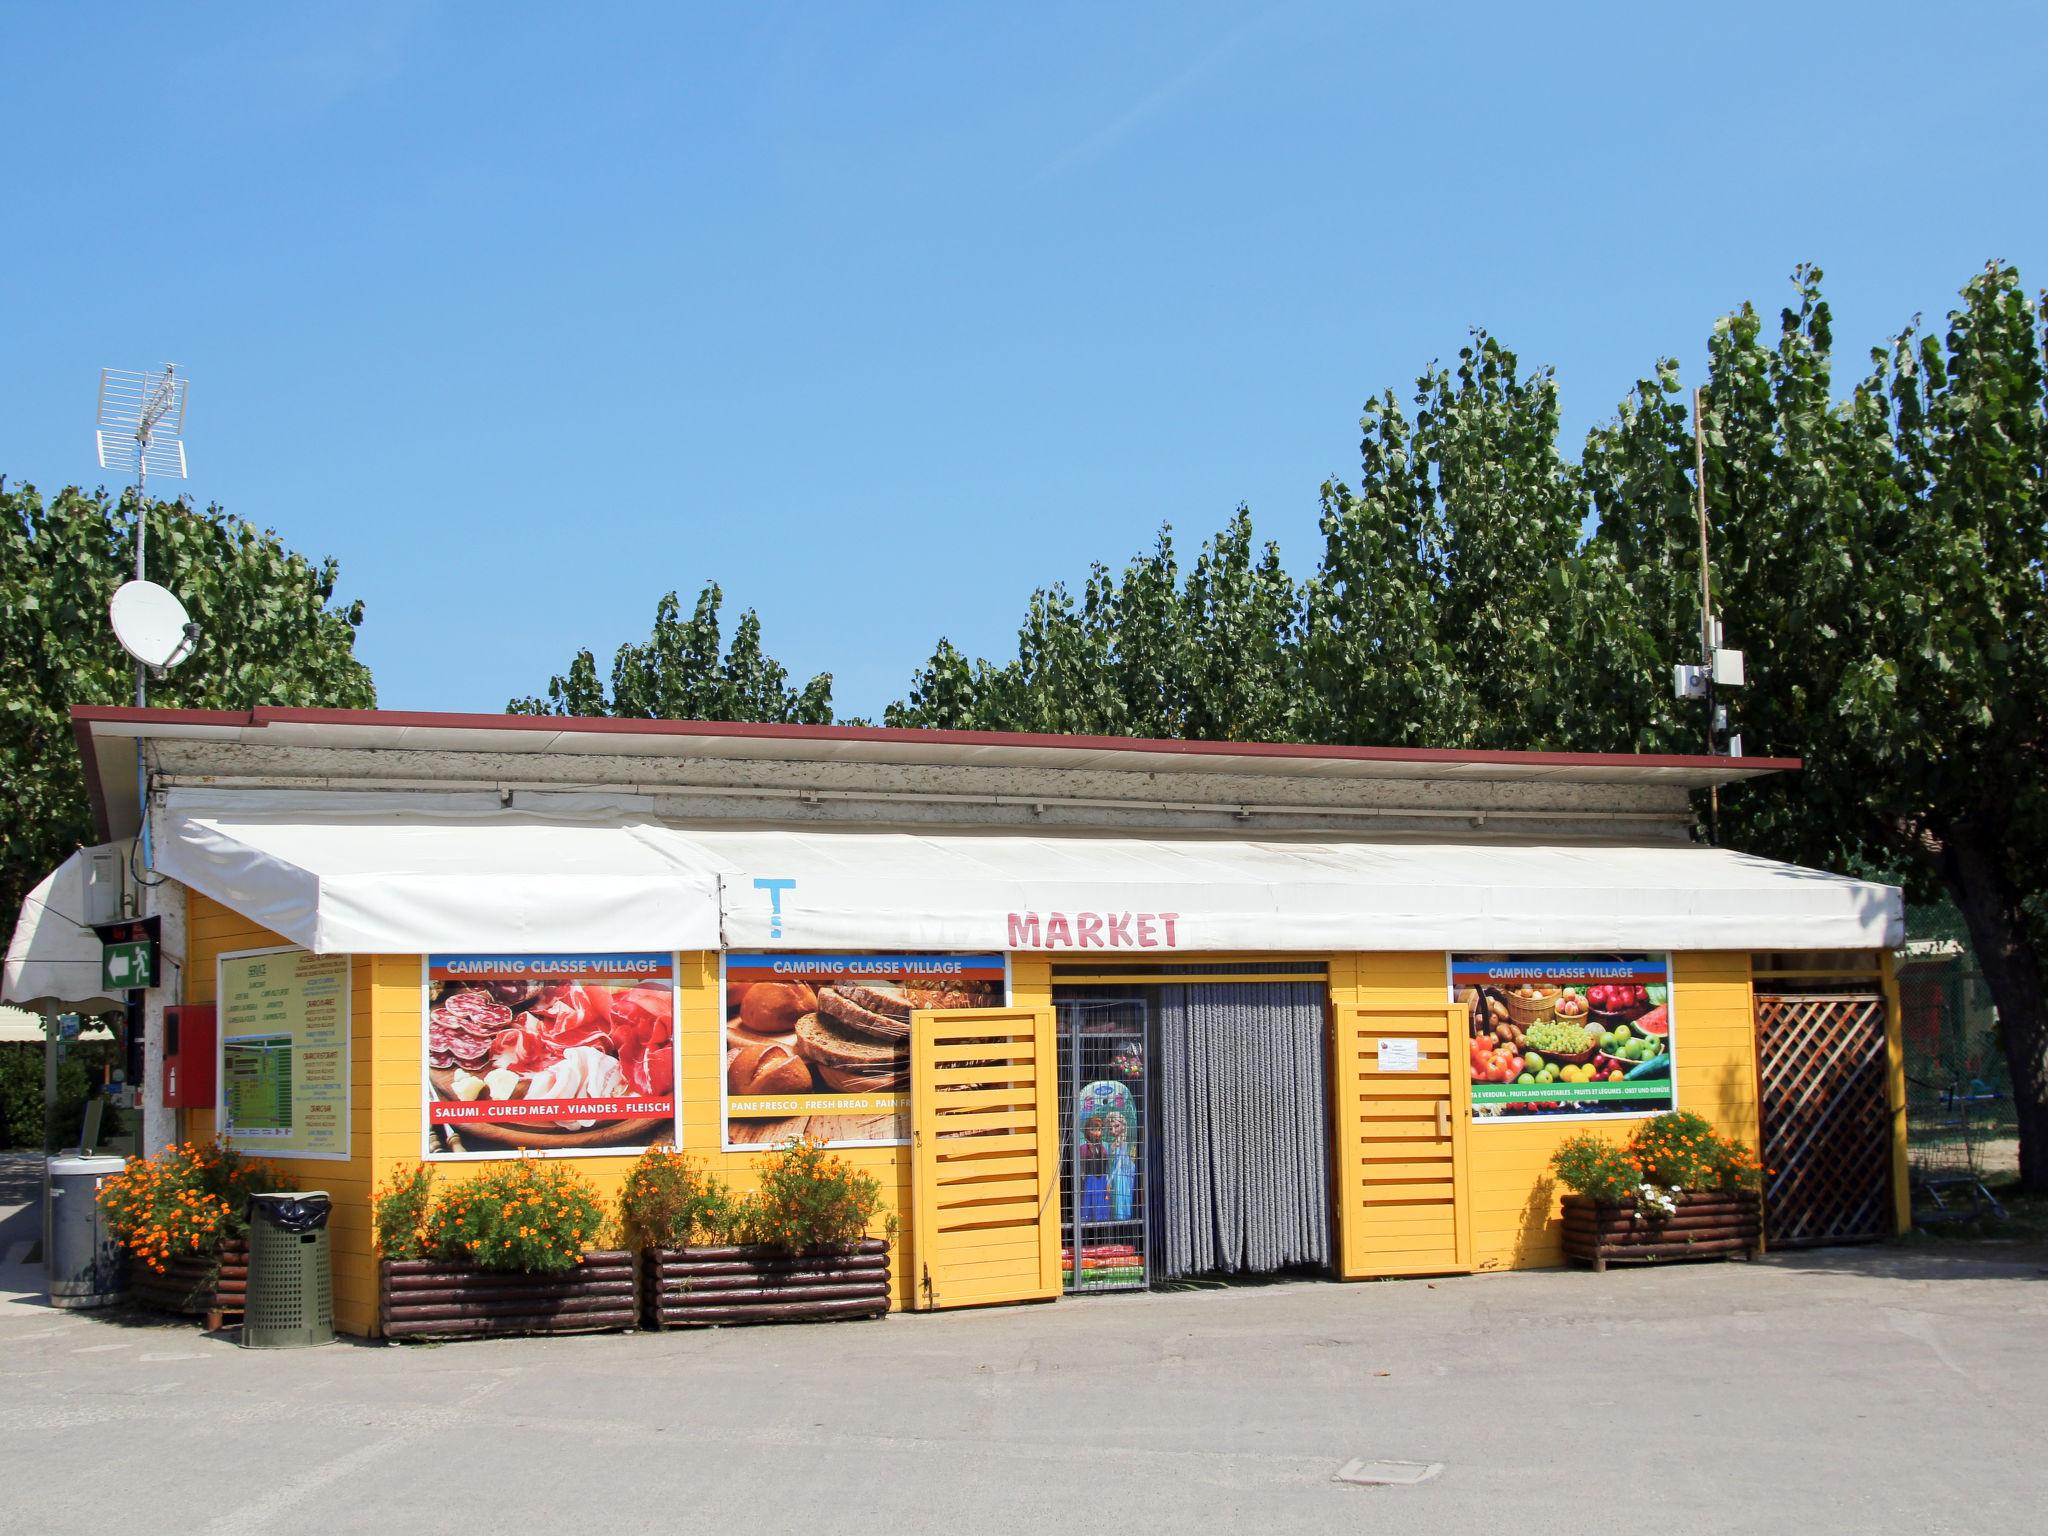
column 128, row 964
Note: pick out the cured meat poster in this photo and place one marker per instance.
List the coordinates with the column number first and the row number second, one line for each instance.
column 549, row 1053
column 819, row 1045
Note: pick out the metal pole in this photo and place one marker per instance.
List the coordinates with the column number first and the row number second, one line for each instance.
column 1699, row 482
column 141, row 547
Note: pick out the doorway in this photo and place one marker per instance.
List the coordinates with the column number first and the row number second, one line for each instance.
column 1195, row 1136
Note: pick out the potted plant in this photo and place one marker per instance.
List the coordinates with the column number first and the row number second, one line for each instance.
column 1675, row 1190
column 796, row 1249
column 179, row 1218
column 514, row 1248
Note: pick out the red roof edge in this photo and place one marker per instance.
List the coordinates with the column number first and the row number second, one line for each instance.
column 83, row 716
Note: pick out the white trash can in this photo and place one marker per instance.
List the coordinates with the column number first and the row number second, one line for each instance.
column 79, row 1255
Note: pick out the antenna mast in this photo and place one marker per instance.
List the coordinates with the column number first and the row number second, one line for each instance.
column 141, row 427
column 1699, row 483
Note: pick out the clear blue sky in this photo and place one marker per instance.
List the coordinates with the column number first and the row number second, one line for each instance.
column 882, row 315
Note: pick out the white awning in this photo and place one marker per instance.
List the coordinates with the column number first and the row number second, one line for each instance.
column 53, row 958
column 980, row 892
column 339, row 873
column 380, row 874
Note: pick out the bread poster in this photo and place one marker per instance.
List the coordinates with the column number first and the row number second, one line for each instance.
column 1578, row 1038
column 549, row 1053
column 819, row 1045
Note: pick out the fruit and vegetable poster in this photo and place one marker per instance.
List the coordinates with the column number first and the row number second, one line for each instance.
column 1567, row 1038
column 549, row 1053
column 284, row 1052
column 819, row 1045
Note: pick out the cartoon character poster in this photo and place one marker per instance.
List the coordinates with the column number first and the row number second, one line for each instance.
column 1106, row 1133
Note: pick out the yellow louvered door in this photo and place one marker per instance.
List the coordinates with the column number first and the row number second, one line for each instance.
column 1402, row 1084
column 984, row 1095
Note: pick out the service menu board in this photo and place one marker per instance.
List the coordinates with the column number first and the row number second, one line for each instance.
column 557, row 1054
column 284, row 1049
column 1567, row 1037
column 819, row 1045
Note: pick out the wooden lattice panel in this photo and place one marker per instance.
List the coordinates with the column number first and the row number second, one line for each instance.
column 1826, row 1125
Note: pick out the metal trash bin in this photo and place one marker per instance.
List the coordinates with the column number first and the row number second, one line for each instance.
column 291, row 1272
column 79, row 1254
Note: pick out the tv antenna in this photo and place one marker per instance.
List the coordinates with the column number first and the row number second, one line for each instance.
column 141, row 427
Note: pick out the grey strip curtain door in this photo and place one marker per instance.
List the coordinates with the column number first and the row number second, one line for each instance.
column 1244, row 1128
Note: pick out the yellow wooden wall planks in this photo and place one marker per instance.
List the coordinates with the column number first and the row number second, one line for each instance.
column 213, row 930
column 1509, row 1207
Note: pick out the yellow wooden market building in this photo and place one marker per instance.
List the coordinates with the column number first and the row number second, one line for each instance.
column 1331, row 898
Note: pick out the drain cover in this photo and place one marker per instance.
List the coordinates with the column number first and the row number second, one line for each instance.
column 1384, row 1474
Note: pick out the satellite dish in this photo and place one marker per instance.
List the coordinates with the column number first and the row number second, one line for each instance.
column 152, row 625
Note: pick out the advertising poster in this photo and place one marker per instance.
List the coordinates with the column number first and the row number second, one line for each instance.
column 819, row 1045
column 284, row 1052
column 1567, row 1038
column 549, row 1053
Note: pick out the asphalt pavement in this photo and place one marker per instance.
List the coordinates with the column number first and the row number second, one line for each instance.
column 1872, row 1389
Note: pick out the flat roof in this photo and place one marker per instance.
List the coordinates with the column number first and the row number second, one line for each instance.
column 97, row 726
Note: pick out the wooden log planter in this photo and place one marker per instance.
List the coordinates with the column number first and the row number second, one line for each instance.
column 428, row 1299
column 209, row 1285
column 704, row 1287
column 1705, row 1226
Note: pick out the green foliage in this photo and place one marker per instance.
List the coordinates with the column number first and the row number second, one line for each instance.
column 1208, row 655
column 1883, row 561
column 1589, row 1164
column 185, row 1200
column 810, row 1198
column 81, row 1064
column 671, row 1201
column 272, row 635
column 1677, row 1150
column 678, row 673
column 528, row 1215
column 398, row 1211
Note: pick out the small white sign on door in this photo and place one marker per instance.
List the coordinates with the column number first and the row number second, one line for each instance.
column 1399, row 1056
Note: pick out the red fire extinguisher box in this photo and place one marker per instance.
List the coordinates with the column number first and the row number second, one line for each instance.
column 188, row 1056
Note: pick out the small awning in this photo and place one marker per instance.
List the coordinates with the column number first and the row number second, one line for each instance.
column 376, row 873
column 20, row 1027
column 382, row 874
column 53, row 959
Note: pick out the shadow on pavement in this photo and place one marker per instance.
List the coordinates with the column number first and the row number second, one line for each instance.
column 1915, row 1260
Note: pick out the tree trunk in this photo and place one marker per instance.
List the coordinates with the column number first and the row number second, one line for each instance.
column 1973, row 869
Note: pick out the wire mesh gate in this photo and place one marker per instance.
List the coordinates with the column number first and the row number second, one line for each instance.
column 1826, row 1119
column 1105, row 1142
column 1961, row 1124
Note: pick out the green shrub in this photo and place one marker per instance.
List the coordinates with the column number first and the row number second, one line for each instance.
column 811, row 1198
column 670, row 1201
column 398, row 1211
column 530, row 1215
column 184, row 1201
column 1588, row 1164
column 1674, row 1151
column 81, row 1065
